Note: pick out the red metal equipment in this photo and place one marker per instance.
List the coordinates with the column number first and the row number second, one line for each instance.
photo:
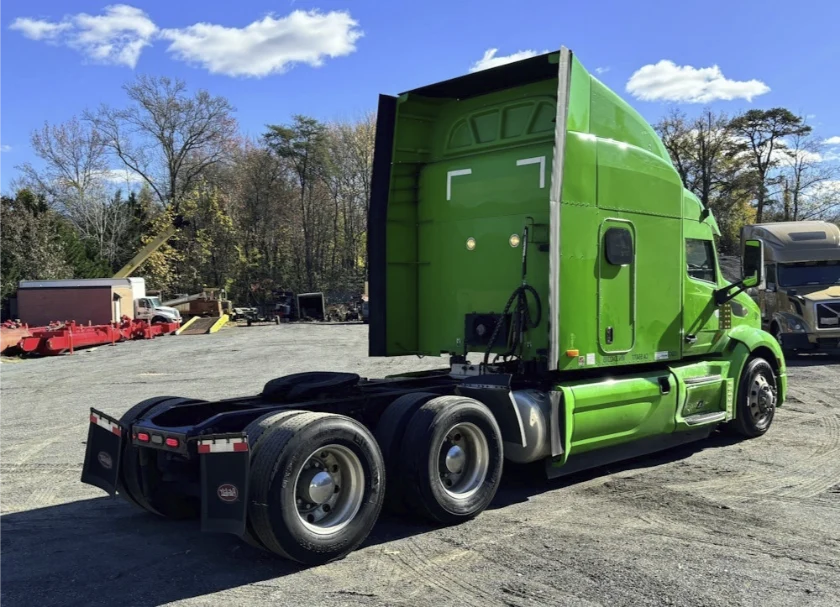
column 11, row 334
column 58, row 338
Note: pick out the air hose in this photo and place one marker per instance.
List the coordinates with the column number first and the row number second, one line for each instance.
column 521, row 320
column 521, row 312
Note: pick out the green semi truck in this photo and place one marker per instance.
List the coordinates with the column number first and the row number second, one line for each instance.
column 528, row 224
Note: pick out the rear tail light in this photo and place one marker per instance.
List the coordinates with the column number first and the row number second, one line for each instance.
column 143, row 437
column 172, row 442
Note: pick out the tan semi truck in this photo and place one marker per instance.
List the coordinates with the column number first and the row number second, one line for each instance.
column 800, row 295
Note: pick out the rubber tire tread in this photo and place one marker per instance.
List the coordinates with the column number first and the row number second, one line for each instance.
column 173, row 508
column 389, row 434
column 279, row 447
column 127, row 419
column 262, row 473
column 255, row 431
column 743, row 424
column 416, row 453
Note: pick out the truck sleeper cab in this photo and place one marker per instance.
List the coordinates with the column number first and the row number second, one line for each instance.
column 527, row 223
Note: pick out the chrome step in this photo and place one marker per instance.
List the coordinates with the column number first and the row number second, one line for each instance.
column 705, row 418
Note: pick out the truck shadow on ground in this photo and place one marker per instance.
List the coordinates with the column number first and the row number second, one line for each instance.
column 811, row 360
column 102, row 551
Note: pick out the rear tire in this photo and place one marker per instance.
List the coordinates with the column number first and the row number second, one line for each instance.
column 389, row 434
column 757, row 397
column 317, row 486
column 255, row 431
column 452, row 458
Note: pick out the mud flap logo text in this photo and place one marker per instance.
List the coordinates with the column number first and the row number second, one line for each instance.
column 105, row 460
column 228, row 493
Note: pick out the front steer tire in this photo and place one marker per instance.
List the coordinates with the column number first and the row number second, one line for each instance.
column 292, row 450
column 755, row 406
column 429, row 459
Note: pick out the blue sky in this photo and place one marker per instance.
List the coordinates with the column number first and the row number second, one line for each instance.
column 62, row 56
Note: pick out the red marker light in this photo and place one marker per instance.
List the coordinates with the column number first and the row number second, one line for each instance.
column 172, row 442
column 143, row 437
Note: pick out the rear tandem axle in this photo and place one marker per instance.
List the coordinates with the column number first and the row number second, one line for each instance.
column 301, row 469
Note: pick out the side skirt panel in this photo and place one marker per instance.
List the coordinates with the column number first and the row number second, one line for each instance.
column 610, row 455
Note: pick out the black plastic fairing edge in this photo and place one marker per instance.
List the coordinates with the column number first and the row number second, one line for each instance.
column 377, row 224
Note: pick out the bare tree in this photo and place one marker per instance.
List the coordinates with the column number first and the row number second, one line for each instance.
column 76, row 181
column 75, row 162
column 711, row 164
column 351, row 151
column 166, row 136
column 803, row 169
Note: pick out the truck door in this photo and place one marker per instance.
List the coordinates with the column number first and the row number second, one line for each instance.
column 700, row 314
column 617, row 287
column 144, row 309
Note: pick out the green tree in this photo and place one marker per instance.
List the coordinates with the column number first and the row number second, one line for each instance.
column 762, row 132
column 304, row 146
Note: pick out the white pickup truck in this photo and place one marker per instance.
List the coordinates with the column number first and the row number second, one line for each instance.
column 151, row 309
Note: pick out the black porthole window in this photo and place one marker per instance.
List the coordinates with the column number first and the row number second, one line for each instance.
column 618, row 246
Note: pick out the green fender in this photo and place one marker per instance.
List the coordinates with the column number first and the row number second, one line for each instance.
column 745, row 341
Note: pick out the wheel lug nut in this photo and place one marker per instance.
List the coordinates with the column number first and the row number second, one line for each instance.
column 326, row 507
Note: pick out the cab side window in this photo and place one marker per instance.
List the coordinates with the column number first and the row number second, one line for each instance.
column 770, row 276
column 700, row 259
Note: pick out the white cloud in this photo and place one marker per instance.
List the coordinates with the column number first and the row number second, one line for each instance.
column 490, row 59
column 37, row 29
column 667, row 81
column 787, row 156
column 811, row 116
column 602, row 70
column 833, row 140
column 268, row 46
column 5, row 148
column 121, row 176
column 824, row 190
column 116, row 37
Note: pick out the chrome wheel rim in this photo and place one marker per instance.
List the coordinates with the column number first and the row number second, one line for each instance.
column 463, row 460
column 329, row 489
column 762, row 399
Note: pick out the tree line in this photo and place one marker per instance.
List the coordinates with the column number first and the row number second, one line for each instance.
column 287, row 210
column 753, row 167
column 283, row 211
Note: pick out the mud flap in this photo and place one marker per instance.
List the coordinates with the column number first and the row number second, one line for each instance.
column 225, row 467
column 494, row 391
column 104, row 448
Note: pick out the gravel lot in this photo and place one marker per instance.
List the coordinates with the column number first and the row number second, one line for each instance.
column 718, row 523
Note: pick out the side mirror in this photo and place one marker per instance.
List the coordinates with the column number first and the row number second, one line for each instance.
column 752, row 264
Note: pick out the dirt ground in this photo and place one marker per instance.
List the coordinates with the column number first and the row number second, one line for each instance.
column 718, row 523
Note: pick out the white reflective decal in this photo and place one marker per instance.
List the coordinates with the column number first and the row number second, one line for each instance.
column 540, row 160
column 449, row 177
